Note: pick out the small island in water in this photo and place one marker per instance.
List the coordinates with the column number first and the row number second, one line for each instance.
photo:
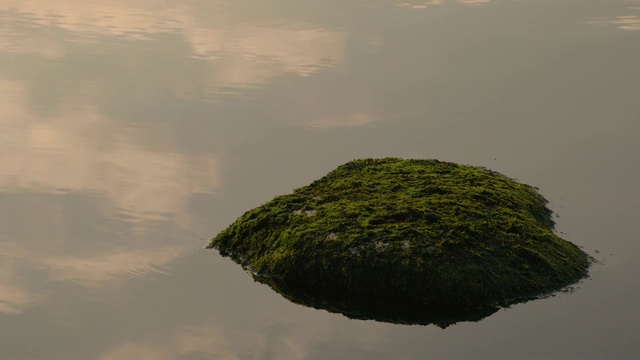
column 406, row 241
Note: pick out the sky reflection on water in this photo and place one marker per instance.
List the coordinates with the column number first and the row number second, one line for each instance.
column 132, row 131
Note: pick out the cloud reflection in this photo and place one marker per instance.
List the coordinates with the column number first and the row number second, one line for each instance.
column 12, row 42
column 136, row 19
column 347, row 120
column 81, row 151
column 97, row 270
column 288, row 337
column 428, row 3
column 249, row 55
column 94, row 271
column 626, row 22
column 78, row 153
column 186, row 342
column 297, row 47
column 14, row 299
column 212, row 341
column 238, row 54
column 474, row 2
column 623, row 22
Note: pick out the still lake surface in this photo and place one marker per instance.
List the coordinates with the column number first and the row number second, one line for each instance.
column 132, row 131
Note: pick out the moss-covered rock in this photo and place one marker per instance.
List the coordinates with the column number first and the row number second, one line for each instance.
column 420, row 232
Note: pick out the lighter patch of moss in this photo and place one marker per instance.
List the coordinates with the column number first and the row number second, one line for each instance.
column 423, row 231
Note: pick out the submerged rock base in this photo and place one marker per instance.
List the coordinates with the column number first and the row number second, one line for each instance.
column 423, row 232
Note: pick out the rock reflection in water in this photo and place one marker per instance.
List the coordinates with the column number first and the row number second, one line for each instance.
column 372, row 307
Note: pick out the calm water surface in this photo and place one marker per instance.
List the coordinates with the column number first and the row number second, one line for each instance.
column 132, row 131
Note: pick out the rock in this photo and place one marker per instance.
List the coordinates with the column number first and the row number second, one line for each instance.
column 415, row 233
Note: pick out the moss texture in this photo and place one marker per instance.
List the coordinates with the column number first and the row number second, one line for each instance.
column 423, row 232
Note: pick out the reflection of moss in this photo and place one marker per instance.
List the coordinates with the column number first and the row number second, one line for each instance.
column 421, row 231
column 386, row 309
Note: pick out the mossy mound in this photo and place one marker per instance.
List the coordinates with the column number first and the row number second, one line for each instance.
column 422, row 232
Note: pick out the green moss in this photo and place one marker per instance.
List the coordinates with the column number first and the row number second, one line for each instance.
column 423, row 231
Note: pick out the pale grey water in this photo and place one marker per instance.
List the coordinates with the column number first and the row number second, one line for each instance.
column 133, row 131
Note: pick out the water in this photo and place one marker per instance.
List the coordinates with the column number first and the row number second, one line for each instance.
column 131, row 132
